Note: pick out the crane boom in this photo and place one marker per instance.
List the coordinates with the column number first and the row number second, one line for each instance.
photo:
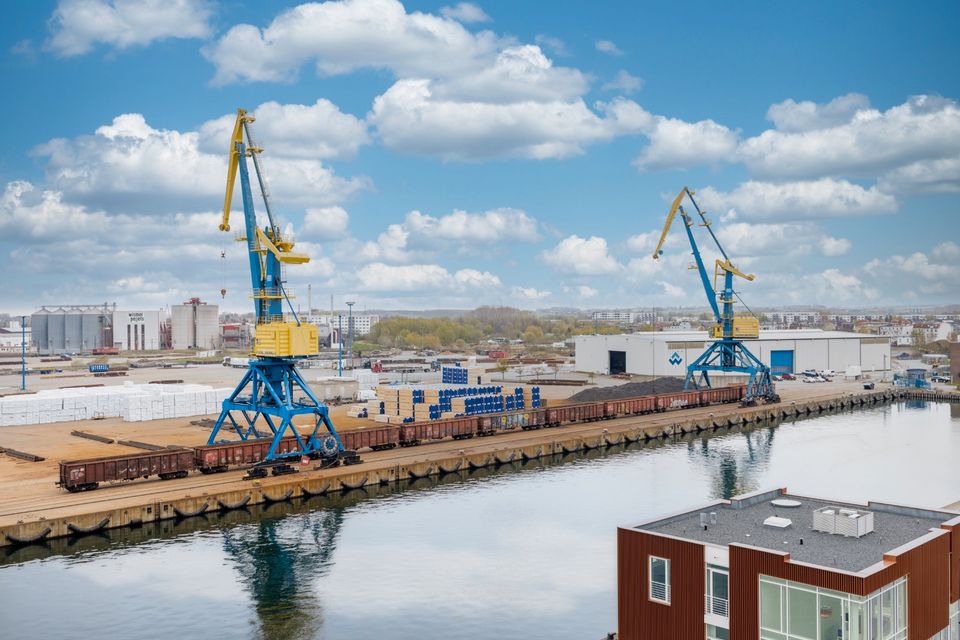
column 267, row 391
column 728, row 353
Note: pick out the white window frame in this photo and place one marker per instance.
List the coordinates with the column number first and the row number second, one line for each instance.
column 650, row 582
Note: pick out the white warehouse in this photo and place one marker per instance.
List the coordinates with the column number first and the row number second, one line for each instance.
column 136, row 330
column 667, row 353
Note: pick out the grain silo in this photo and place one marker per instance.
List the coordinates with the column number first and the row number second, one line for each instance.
column 71, row 328
column 38, row 329
column 195, row 325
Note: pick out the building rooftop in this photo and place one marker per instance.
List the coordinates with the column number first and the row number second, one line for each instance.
column 741, row 521
column 779, row 334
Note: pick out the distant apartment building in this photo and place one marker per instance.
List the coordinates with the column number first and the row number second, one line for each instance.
column 362, row 324
column 624, row 317
column 775, row 566
column 849, row 318
column 618, row 317
column 900, row 334
column 789, row 319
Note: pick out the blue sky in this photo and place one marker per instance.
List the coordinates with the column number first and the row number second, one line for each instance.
column 435, row 155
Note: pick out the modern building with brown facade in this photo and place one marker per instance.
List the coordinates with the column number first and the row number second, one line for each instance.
column 773, row 566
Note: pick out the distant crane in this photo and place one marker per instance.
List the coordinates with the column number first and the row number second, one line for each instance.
column 727, row 353
column 265, row 396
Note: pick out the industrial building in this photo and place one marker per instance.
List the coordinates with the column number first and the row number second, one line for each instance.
column 362, row 324
column 136, row 330
column 72, row 328
column 775, row 566
column 14, row 338
column 667, row 353
column 195, row 325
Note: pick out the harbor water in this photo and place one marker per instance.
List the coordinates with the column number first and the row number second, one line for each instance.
column 523, row 551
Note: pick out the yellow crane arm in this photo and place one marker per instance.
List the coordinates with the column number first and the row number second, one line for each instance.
column 670, row 216
column 232, row 163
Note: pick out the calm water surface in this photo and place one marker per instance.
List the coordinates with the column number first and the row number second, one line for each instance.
column 517, row 553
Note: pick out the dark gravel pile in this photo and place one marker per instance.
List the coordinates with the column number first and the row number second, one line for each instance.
column 629, row 390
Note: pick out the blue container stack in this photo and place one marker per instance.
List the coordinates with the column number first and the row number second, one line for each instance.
column 99, row 367
column 453, row 375
column 535, row 398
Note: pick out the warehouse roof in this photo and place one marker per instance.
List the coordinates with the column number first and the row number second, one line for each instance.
column 742, row 521
column 784, row 334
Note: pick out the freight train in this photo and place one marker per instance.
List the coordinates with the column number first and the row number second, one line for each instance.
column 85, row 475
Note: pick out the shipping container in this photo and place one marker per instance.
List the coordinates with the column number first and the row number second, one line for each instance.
column 83, row 475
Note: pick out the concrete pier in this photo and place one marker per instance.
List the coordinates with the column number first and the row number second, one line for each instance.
column 135, row 504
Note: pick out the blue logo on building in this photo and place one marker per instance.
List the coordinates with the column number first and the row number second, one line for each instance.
column 675, row 359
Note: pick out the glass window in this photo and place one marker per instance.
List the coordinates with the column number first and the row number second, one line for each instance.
column 770, row 606
column 886, row 616
column 660, row 579
column 802, row 613
column 902, row 606
column 831, row 617
column 717, row 633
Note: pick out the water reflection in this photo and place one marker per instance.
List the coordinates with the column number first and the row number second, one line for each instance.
column 519, row 550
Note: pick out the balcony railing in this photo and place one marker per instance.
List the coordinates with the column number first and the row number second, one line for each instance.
column 717, row 606
column 660, row 591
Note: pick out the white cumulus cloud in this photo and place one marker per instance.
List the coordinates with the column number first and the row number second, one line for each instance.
column 823, row 198
column 676, row 144
column 582, row 256
column 78, row 25
column 411, row 119
column 925, row 127
column 793, row 117
column 529, row 293
column 325, row 222
column 624, row 82
column 608, row 47
column 317, row 131
column 130, row 164
column 465, row 12
column 422, row 277
column 342, row 36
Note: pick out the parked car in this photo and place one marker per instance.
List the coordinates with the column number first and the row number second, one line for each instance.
column 788, row 376
column 942, row 379
column 869, row 386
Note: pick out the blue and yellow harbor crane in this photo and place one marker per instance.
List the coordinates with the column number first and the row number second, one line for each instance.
column 272, row 392
column 727, row 353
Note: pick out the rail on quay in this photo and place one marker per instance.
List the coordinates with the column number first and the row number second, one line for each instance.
column 65, row 520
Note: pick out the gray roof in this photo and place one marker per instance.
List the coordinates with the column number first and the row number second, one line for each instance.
column 742, row 523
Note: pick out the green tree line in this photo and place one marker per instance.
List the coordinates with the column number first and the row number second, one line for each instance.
column 481, row 324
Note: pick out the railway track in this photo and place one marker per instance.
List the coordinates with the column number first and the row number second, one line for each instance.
column 139, row 490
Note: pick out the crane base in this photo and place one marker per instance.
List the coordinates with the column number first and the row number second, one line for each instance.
column 728, row 355
column 263, row 406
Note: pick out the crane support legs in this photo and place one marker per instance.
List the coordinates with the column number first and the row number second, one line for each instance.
column 265, row 403
column 732, row 356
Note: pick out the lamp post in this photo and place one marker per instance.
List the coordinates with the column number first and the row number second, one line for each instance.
column 350, row 330
column 340, row 345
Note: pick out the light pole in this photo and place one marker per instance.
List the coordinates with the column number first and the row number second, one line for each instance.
column 23, row 353
column 350, row 330
column 340, row 345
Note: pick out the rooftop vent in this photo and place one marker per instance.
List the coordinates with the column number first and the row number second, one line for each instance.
column 843, row 521
column 785, row 503
column 779, row 523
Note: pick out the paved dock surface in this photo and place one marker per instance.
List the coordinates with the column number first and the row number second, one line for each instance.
column 30, row 500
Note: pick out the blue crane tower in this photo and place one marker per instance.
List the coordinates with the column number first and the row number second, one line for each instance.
column 727, row 353
column 272, row 392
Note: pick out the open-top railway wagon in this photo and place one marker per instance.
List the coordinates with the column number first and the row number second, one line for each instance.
column 80, row 475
